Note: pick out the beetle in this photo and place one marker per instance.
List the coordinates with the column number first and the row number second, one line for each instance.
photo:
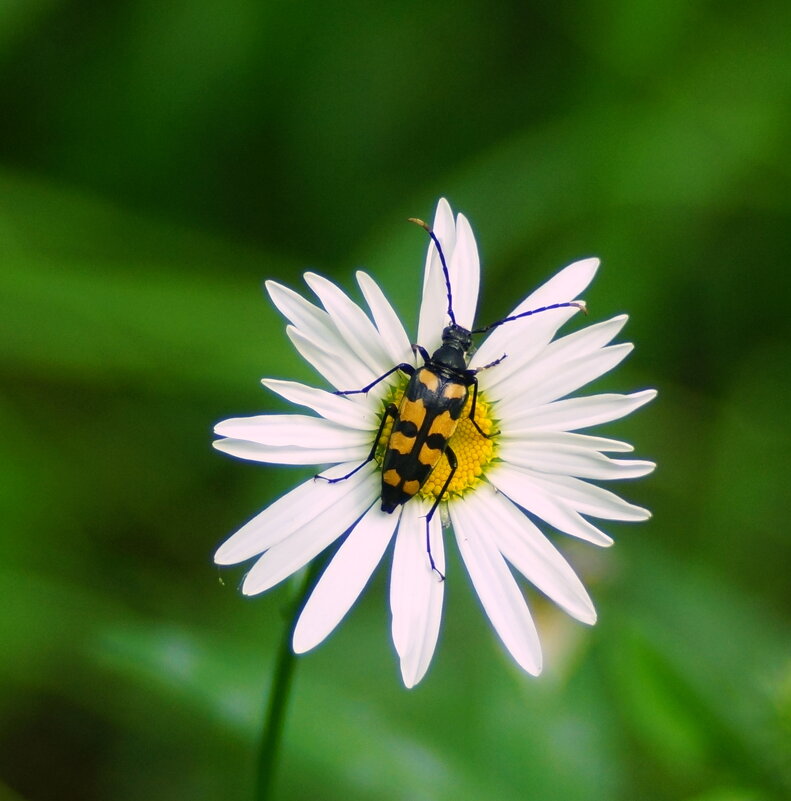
column 430, row 408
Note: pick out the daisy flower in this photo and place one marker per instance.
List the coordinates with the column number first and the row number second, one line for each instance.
column 521, row 460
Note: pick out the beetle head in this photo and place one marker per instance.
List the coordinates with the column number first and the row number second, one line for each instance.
column 457, row 337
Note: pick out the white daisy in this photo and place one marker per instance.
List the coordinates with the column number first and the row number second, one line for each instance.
column 534, row 466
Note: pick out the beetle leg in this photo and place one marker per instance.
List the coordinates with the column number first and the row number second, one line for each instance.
column 390, row 411
column 453, row 463
column 472, row 407
column 404, row 368
column 471, row 377
column 422, row 351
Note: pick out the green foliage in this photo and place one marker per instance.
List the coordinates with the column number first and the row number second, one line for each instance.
column 159, row 161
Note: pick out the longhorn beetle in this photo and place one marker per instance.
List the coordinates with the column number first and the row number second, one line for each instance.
column 430, row 408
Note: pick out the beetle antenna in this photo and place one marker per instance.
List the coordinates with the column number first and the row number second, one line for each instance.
column 580, row 304
column 433, row 236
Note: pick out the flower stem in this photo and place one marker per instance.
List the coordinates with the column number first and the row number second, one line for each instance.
column 279, row 693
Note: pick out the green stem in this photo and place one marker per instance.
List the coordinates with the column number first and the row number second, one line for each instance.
column 279, row 694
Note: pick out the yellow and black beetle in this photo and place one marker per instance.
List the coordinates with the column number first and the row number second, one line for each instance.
column 430, row 409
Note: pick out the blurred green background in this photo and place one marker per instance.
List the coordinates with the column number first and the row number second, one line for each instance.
column 160, row 160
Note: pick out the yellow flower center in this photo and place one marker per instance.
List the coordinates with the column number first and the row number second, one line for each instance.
column 473, row 451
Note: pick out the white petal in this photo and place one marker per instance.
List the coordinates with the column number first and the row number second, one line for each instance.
column 288, row 514
column 523, row 488
column 275, row 454
column 394, row 337
column 465, row 274
column 496, row 588
column 342, row 373
column 548, row 439
column 304, row 315
column 337, row 408
column 358, row 332
column 552, row 358
column 318, row 340
column 586, row 340
column 299, row 430
column 289, row 555
column 565, row 286
column 415, row 591
column 434, row 303
column 444, row 227
column 521, row 341
column 589, row 499
column 545, row 382
column 344, row 579
column 575, row 413
column 571, row 460
column 530, row 552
